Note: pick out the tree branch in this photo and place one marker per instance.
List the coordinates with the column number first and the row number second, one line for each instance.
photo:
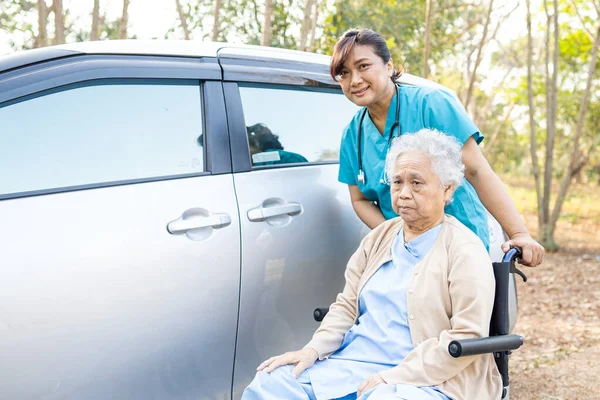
column 585, row 29
column 183, row 20
column 479, row 56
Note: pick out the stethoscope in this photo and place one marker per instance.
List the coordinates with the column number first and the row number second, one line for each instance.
column 361, row 173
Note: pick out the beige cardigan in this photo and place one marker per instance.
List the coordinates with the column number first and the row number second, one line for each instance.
column 450, row 296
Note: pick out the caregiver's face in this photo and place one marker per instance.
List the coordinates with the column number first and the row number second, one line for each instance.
column 417, row 193
column 365, row 78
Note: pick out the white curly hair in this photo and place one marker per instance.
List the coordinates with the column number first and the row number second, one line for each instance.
column 443, row 151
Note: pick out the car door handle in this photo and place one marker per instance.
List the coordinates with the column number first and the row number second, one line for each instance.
column 181, row 226
column 261, row 213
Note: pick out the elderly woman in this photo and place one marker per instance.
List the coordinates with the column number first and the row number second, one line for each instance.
column 415, row 284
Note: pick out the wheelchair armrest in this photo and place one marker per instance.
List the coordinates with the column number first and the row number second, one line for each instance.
column 493, row 344
column 320, row 313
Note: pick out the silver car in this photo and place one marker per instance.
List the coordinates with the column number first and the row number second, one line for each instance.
column 154, row 245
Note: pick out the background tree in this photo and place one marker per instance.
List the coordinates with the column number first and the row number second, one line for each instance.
column 314, row 23
column 306, row 25
column 560, row 94
column 124, row 20
column 266, row 27
column 59, row 22
column 183, row 20
column 94, row 34
column 428, row 12
column 215, row 29
column 42, row 36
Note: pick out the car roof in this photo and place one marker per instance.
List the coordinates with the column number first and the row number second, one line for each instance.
column 176, row 48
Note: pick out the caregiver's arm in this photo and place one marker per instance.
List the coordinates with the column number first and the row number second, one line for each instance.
column 366, row 210
column 496, row 199
column 471, row 289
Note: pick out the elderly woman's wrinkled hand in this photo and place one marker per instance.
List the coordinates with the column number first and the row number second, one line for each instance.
column 369, row 383
column 532, row 251
column 302, row 359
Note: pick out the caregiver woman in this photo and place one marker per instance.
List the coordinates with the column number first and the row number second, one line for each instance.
column 362, row 64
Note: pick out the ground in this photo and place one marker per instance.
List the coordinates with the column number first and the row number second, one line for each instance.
column 559, row 306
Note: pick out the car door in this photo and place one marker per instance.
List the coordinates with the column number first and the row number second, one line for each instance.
column 297, row 223
column 120, row 232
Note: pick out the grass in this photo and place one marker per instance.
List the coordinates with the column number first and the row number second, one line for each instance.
column 579, row 222
column 582, row 200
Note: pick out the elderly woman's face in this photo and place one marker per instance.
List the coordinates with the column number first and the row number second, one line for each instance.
column 417, row 194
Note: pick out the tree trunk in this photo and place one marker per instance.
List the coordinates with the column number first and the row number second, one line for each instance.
column 427, row 38
column 577, row 161
column 183, row 20
column 535, row 164
column 215, row 29
column 124, row 20
column 547, row 235
column 42, row 37
column 479, row 55
column 305, row 24
column 59, row 22
column 94, row 35
column 313, row 30
column 265, row 40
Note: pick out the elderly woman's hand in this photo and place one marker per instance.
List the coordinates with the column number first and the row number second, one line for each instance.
column 533, row 252
column 302, row 359
column 369, row 384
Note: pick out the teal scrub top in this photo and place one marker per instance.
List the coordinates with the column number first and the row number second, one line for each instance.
column 420, row 107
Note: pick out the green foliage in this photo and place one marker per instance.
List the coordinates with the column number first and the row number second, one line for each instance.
column 14, row 23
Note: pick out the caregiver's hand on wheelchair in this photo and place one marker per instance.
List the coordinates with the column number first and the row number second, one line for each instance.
column 532, row 252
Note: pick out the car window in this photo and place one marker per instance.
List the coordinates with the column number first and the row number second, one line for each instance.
column 103, row 132
column 294, row 125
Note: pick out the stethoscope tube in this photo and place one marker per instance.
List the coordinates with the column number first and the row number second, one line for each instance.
column 396, row 125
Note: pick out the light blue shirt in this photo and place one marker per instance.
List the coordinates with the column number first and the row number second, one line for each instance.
column 420, row 107
column 380, row 339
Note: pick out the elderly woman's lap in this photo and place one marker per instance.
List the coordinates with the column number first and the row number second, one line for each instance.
column 281, row 384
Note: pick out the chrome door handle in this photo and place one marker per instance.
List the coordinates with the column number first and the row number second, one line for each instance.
column 181, row 226
column 261, row 213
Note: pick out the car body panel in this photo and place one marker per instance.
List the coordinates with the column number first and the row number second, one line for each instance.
column 290, row 264
column 100, row 301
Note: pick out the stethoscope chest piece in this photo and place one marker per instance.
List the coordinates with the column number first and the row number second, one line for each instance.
column 361, row 176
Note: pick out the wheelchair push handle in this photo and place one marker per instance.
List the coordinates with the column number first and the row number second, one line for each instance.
column 511, row 256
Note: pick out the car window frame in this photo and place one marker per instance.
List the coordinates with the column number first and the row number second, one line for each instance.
column 32, row 81
column 242, row 161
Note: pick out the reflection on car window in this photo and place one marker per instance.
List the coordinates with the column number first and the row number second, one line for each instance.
column 294, row 125
column 101, row 133
column 266, row 149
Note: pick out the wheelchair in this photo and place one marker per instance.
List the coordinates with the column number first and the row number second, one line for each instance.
column 500, row 341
